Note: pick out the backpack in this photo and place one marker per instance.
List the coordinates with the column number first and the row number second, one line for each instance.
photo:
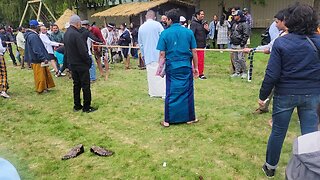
column 266, row 39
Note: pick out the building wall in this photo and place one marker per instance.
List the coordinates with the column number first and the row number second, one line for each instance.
column 262, row 14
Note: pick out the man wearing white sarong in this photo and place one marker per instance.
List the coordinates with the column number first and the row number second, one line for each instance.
column 148, row 36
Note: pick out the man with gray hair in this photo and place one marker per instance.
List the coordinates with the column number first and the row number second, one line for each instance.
column 76, row 55
column 148, row 37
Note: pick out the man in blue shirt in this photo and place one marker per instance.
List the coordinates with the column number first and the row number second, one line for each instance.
column 177, row 47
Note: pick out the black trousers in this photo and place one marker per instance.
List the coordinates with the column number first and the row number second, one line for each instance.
column 81, row 80
column 11, row 54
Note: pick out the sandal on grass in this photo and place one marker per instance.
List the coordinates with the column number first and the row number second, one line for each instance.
column 194, row 121
column 164, row 124
column 74, row 152
column 101, row 151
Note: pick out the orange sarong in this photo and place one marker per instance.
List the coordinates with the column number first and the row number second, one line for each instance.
column 42, row 78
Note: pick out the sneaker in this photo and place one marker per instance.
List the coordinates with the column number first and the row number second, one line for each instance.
column 235, row 75
column 4, row 94
column 91, row 109
column 202, row 77
column 268, row 172
column 244, row 76
column 62, row 74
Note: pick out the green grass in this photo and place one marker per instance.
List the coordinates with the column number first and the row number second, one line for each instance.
column 228, row 143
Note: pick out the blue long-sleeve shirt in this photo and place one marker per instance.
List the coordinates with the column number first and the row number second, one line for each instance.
column 293, row 67
column 35, row 50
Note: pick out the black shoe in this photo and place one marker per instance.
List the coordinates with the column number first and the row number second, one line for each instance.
column 91, row 109
column 202, row 77
column 268, row 172
column 75, row 109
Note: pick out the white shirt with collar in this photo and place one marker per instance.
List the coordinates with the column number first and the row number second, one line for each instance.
column 148, row 37
column 2, row 49
column 48, row 43
column 20, row 40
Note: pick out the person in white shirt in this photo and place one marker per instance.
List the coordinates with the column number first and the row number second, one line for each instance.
column 48, row 45
column 148, row 36
column 21, row 45
column 3, row 74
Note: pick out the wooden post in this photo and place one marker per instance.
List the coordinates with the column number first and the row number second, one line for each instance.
column 49, row 12
column 24, row 14
column 39, row 11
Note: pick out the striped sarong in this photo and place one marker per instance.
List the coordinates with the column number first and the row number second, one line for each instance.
column 3, row 75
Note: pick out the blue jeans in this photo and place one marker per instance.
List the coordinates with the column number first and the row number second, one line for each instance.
column 283, row 106
column 92, row 71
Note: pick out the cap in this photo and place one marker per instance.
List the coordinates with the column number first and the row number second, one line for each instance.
column 245, row 10
column 74, row 19
column 85, row 22
column 182, row 19
column 238, row 13
column 33, row 22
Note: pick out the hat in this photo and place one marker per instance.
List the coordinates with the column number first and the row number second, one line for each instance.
column 110, row 25
column 74, row 19
column 245, row 9
column 85, row 22
column 238, row 13
column 182, row 19
column 33, row 22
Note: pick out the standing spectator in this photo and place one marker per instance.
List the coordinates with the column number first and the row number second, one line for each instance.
column 21, row 45
column 134, row 35
column 89, row 38
column 222, row 28
column 7, row 39
column 183, row 21
column 294, row 70
column 149, row 34
column 56, row 35
column 164, row 19
column 239, row 35
column 177, row 47
column 38, row 55
column 48, row 44
column 200, row 32
column 125, row 40
column 213, row 30
column 3, row 74
column 248, row 21
column 97, row 50
column 76, row 54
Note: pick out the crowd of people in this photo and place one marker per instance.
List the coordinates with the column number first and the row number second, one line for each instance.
column 173, row 54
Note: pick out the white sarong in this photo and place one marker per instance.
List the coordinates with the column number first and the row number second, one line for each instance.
column 156, row 84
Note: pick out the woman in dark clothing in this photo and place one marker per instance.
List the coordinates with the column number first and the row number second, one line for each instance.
column 125, row 40
column 294, row 73
column 134, row 35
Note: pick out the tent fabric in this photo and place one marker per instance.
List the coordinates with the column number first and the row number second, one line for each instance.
column 305, row 160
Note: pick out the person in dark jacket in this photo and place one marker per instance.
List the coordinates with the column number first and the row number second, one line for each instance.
column 200, row 31
column 125, row 40
column 294, row 70
column 76, row 54
column 6, row 37
column 39, row 57
column 240, row 32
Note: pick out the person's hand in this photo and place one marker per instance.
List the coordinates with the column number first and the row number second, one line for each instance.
column 262, row 103
column 206, row 26
column 266, row 51
column 247, row 50
column 195, row 72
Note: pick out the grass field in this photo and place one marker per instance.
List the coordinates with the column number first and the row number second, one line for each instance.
column 228, row 143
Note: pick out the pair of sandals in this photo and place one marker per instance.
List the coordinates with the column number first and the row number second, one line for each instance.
column 165, row 124
column 79, row 149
